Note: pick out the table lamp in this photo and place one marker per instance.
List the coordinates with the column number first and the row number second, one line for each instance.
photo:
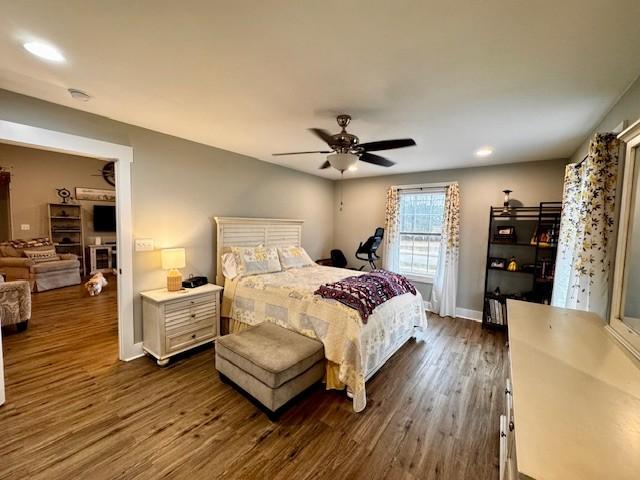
column 172, row 259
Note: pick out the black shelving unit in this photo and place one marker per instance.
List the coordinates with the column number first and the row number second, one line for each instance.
column 533, row 245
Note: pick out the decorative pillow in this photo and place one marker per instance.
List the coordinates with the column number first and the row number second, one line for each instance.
column 229, row 266
column 8, row 251
column 35, row 242
column 41, row 256
column 256, row 260
column 16, row 248
column 294, row 257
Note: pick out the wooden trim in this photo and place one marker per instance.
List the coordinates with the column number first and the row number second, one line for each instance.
column 629, row 133
column 251, row 220
column 257, row 232
column 122, row 155
column 623, row 333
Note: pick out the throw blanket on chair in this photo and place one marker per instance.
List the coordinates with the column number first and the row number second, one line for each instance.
column 365, row 292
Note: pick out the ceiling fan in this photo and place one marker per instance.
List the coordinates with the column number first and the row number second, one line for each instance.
column 346, row 148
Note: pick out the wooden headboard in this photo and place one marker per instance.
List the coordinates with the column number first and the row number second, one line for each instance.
column 251, row 232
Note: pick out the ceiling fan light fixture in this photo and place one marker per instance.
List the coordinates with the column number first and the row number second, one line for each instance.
column 342, row 161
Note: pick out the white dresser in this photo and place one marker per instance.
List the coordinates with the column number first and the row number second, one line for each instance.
column 173, row 322
column 575, row 403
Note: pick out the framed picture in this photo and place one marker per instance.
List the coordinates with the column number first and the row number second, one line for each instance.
column 495, row 262
column 505, row 233
column 95, row 194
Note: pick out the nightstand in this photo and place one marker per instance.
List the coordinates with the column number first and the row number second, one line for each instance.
column 173, row 322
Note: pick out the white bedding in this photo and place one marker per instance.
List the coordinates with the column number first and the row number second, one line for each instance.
column 286, row 298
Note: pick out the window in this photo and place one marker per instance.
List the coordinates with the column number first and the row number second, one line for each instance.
column 421, row 217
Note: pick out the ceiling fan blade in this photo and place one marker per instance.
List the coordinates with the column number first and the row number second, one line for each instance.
column 387, row 144
column 300, row 153
column 323, row 134
column 326, row 164
column 376, row 159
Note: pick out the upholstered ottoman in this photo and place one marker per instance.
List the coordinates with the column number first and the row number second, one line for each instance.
column 270, row 363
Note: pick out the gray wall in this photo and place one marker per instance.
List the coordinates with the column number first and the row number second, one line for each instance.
column 364, row 205
column 627, row 108
column 35, row 175
column 178, row 186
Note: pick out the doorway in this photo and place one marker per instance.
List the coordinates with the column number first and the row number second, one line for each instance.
column 122, row 156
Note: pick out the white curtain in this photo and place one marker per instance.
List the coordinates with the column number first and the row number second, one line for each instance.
column 391, row 260
column 445, row 284
column 587, row 233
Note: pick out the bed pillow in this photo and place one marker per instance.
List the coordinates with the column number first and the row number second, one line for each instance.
column 294, row 257
column 42, row 255
column 256, row 260
column 229, row 266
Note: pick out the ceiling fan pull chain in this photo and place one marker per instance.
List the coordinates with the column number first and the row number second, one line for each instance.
column 341, row 188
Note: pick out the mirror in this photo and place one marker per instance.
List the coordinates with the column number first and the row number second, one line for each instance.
column 624, row 321
column 630, row 311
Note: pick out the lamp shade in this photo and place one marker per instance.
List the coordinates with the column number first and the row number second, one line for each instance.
column 173, row 258
column 342, row 161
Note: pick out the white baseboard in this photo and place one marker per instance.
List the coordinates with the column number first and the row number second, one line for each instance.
column 136, row 351
column 474, row 315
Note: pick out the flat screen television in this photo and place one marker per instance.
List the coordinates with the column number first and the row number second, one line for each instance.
column 104, row 218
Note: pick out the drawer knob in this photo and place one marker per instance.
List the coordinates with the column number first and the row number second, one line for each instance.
column 193, row 336
column 193, row 315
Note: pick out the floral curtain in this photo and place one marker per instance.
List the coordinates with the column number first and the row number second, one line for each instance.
column 587, row 229
column 445, row 284
column 391, row 227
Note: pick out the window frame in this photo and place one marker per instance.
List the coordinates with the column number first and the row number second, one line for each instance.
column 421, row 188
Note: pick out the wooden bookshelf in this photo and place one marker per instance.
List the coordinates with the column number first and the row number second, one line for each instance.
column 532, row 280
column 66, row 230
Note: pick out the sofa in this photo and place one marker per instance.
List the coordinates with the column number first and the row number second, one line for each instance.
column 46, row 273
column 15, row 303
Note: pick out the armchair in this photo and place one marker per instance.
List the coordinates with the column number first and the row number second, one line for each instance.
column 15, row 304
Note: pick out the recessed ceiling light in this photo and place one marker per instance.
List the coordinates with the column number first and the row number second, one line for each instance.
column 353, row 168
column 484, row 152
column 45, row 51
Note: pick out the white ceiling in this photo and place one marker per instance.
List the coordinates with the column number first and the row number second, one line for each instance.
column 529, row 78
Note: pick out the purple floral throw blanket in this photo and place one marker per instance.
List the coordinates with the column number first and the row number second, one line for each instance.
column 365, row 292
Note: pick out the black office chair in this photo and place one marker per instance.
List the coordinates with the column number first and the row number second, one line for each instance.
column 338, row 259
column 370, row 247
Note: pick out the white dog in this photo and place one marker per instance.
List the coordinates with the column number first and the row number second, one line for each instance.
column 95, row 284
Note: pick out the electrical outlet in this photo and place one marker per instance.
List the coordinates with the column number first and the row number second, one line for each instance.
column 25, row 226
column 144, row 244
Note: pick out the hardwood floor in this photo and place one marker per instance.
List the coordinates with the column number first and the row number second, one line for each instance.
column 74, row 411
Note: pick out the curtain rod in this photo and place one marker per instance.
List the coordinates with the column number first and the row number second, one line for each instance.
column 577, row 164
column 423, row 186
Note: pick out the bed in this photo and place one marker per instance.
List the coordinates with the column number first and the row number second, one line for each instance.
column 354, row 350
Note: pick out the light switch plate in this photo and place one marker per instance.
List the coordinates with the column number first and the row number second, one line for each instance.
column 25, row 226
column 144, row 244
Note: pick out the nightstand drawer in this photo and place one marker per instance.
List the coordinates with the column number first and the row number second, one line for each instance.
column 196, row 324
column 177, row 342
column 190, row 315
column 185, row 304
